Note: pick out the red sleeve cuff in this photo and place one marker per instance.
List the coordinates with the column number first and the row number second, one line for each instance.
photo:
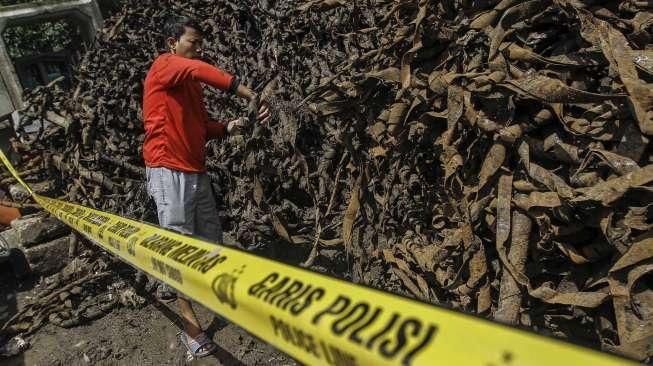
column 215, row 130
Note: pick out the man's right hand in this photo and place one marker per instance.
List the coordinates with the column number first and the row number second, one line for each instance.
column 236, row 123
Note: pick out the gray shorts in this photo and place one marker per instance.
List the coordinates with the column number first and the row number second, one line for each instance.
column 185, row 204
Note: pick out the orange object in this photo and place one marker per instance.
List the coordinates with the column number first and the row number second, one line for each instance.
column 8, row 214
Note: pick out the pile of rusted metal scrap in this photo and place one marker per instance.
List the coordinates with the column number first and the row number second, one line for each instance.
column 491, row 156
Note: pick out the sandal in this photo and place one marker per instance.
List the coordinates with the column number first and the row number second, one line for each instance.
column 165, row 293
column 199, row 347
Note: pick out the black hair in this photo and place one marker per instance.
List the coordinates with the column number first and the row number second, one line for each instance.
column 176, row 25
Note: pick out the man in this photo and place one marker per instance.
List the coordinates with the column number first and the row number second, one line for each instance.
column 177, row 127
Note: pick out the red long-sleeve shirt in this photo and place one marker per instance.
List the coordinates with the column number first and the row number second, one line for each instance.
column 177, row 125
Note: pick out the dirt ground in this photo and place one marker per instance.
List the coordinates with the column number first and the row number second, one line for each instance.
column 145, row 336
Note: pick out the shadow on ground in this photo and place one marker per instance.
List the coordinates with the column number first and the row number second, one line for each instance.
column 9, row 287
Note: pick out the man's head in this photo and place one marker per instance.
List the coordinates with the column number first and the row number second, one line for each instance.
column 184, row 37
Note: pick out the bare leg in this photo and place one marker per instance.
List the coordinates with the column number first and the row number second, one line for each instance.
column 191, row 324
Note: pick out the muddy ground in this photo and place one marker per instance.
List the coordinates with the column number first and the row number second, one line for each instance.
column 145, row 336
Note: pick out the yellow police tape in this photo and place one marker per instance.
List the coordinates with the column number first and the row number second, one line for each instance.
column 312, row 317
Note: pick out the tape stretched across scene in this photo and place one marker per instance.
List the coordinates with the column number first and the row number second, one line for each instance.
column 316, row 319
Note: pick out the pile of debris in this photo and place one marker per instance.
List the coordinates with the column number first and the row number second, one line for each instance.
column 76, row 282
column 491, row 156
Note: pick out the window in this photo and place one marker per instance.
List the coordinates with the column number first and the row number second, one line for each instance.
column 44, row 51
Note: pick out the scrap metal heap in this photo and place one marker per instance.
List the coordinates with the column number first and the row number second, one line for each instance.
column 490, row 156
